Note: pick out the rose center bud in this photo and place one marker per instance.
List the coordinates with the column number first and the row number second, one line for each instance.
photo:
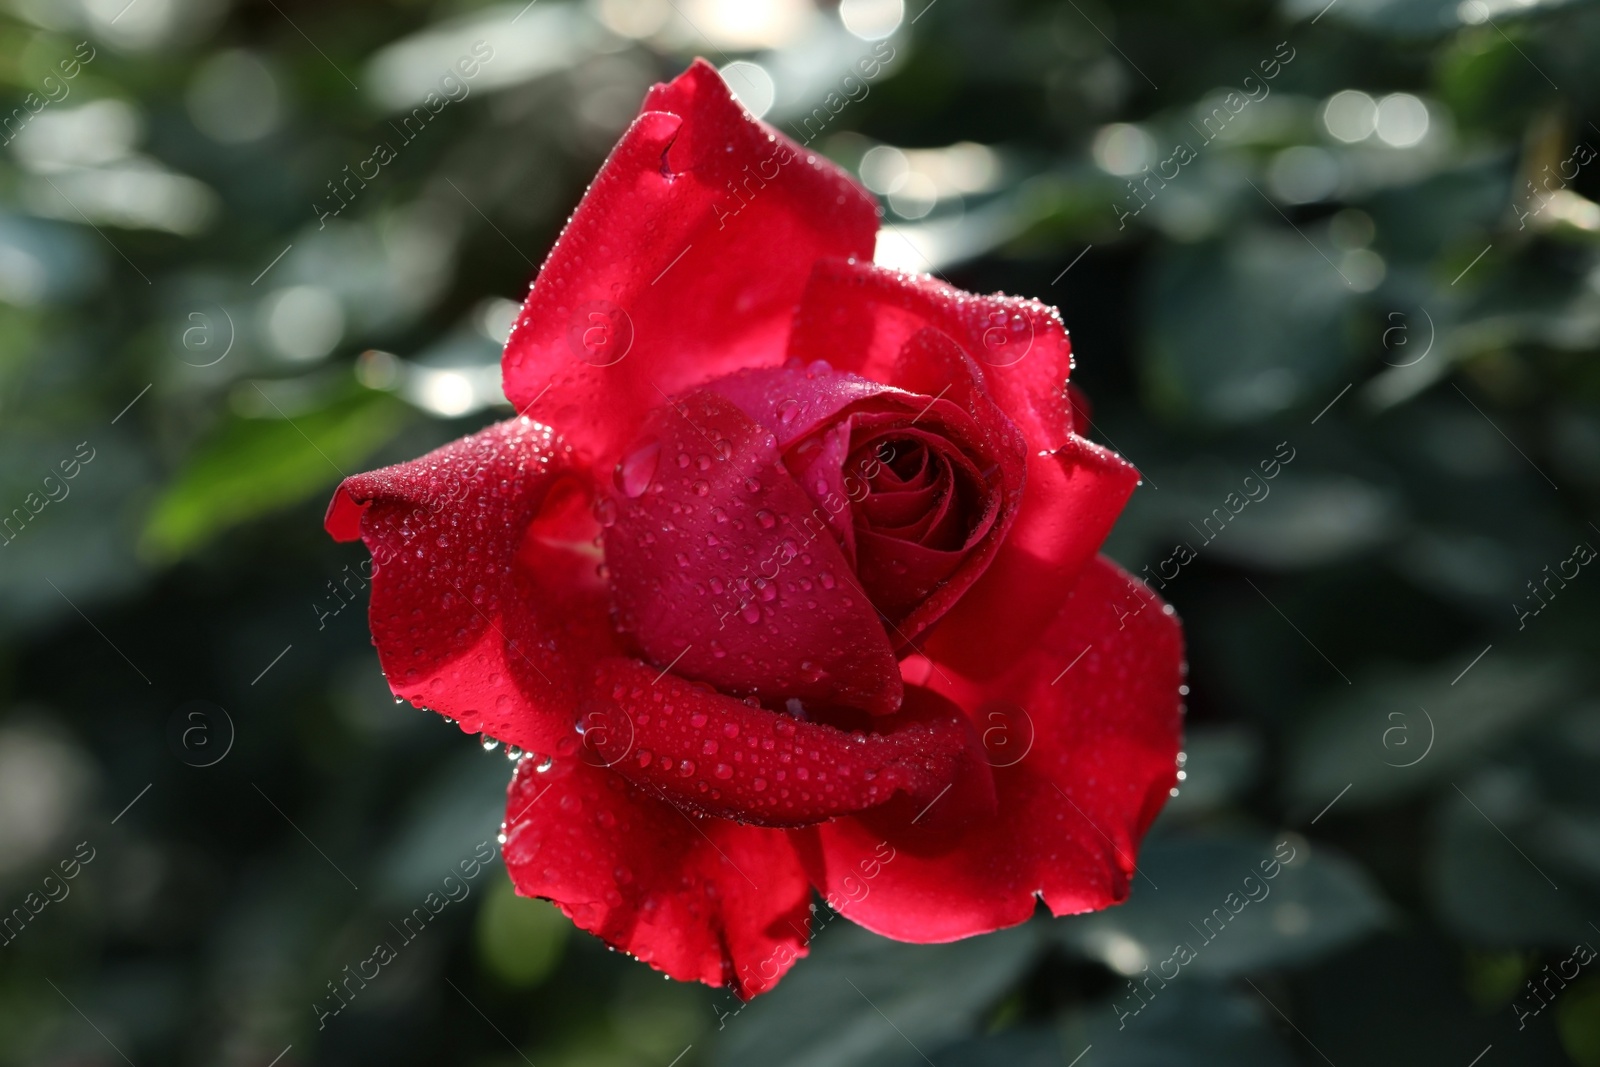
column 918, row 503
column 784, row 534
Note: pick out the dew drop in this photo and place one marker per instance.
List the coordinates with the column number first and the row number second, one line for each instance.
column 634, row 473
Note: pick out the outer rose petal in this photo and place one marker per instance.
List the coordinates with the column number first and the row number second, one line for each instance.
column 1071, row 502
column 860, row 317
column 471, row 616
column 718, row 756
column 702, row 899
column 683, row 262
column 1105, row 730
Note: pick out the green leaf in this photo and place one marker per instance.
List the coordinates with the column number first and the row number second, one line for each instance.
column 254, row 467
column 1501, row 873
column 863, row 999
column 1418, row 18
column 1244, row 328
column 1398, row 733
column 519, row 940
column 1201, row 1024
column 1579, row 1022
column 1197, row 893
column 1222, row 764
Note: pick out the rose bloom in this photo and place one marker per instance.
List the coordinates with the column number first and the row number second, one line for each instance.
column 784, row 577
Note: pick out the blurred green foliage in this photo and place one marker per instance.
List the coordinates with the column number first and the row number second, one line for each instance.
column 1387, row 259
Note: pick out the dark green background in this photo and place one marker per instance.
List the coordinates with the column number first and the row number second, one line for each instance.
column 1329, row 624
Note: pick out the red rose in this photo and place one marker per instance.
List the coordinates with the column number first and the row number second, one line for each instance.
column 792, row 584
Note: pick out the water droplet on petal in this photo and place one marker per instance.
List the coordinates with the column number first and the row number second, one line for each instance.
column 633, row 474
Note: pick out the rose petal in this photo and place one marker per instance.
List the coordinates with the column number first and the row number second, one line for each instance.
column 700, row 899
column 720, row 756
column 901, row 574
column 1072, row 500
column 683, row 262
column 1083, row 734
column 930, row 360
column 863, row 316
column 467, row 611
column 720, row 572
column 859, row 317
